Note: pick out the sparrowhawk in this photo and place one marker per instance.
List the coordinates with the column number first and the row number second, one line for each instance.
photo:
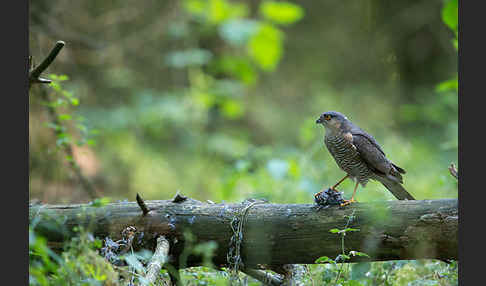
column 358, row 154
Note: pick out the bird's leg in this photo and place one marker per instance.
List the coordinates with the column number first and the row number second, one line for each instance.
column 337, row 184
column 333, row 187
column 346, row 202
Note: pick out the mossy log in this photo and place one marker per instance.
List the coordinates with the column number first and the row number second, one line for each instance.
column 273, row 234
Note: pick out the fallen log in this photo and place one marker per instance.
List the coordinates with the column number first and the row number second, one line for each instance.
column 272, row 234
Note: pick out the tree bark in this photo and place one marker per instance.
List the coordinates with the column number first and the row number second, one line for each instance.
column 273, row 234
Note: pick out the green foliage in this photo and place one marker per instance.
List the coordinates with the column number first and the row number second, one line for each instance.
column 281, row 12
column 448, row 85
column 343, row 257
column 450, row 14
column 263, row 40
column 79, row 263
column 214, row 12
column 65, row 124
column 265, row 48
column 99, row 202
column 421, row 272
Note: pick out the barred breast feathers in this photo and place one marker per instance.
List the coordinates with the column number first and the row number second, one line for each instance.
column 347, row 157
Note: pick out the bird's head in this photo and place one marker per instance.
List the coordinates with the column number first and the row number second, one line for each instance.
column 333, row 120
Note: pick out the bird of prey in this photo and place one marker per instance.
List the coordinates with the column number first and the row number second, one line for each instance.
column 358, row 154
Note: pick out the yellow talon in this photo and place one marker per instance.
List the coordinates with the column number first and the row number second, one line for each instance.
column 348, row 202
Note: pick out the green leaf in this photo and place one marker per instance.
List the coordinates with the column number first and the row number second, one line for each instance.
column 215, row 12
column 232, row 109
column 343, row 231
column 350, row 229
column 221, row 10
column 281, row 12
column 450, row 14
column 99, row 202
column 91, row 142
column 56, row 77
column 238, row 67
column 63, row 117
column 195, row 7
column 447, row 85
column 324, row 259
column 265, row 47
column 74, row 101
column 342, row 257
column 357, row 253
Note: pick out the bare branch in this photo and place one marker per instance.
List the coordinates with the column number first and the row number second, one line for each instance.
column 34, row 75
column 160, row 257
column 142, row 205
column 179, row 198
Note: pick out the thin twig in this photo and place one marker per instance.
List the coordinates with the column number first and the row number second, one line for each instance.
column 142, row 205
column 160, row 257
column 350, row 218
column 54, row 119
column 34, row 75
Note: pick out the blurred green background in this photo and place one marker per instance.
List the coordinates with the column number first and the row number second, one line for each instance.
column 218, row 98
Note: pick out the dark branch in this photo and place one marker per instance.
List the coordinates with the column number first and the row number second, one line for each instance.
column 178, row 198
column 34, row 75
column 142, row 205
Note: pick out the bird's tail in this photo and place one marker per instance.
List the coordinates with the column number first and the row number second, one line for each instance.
column 395, row 188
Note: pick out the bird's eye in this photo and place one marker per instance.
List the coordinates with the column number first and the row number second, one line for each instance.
column 327, row 117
